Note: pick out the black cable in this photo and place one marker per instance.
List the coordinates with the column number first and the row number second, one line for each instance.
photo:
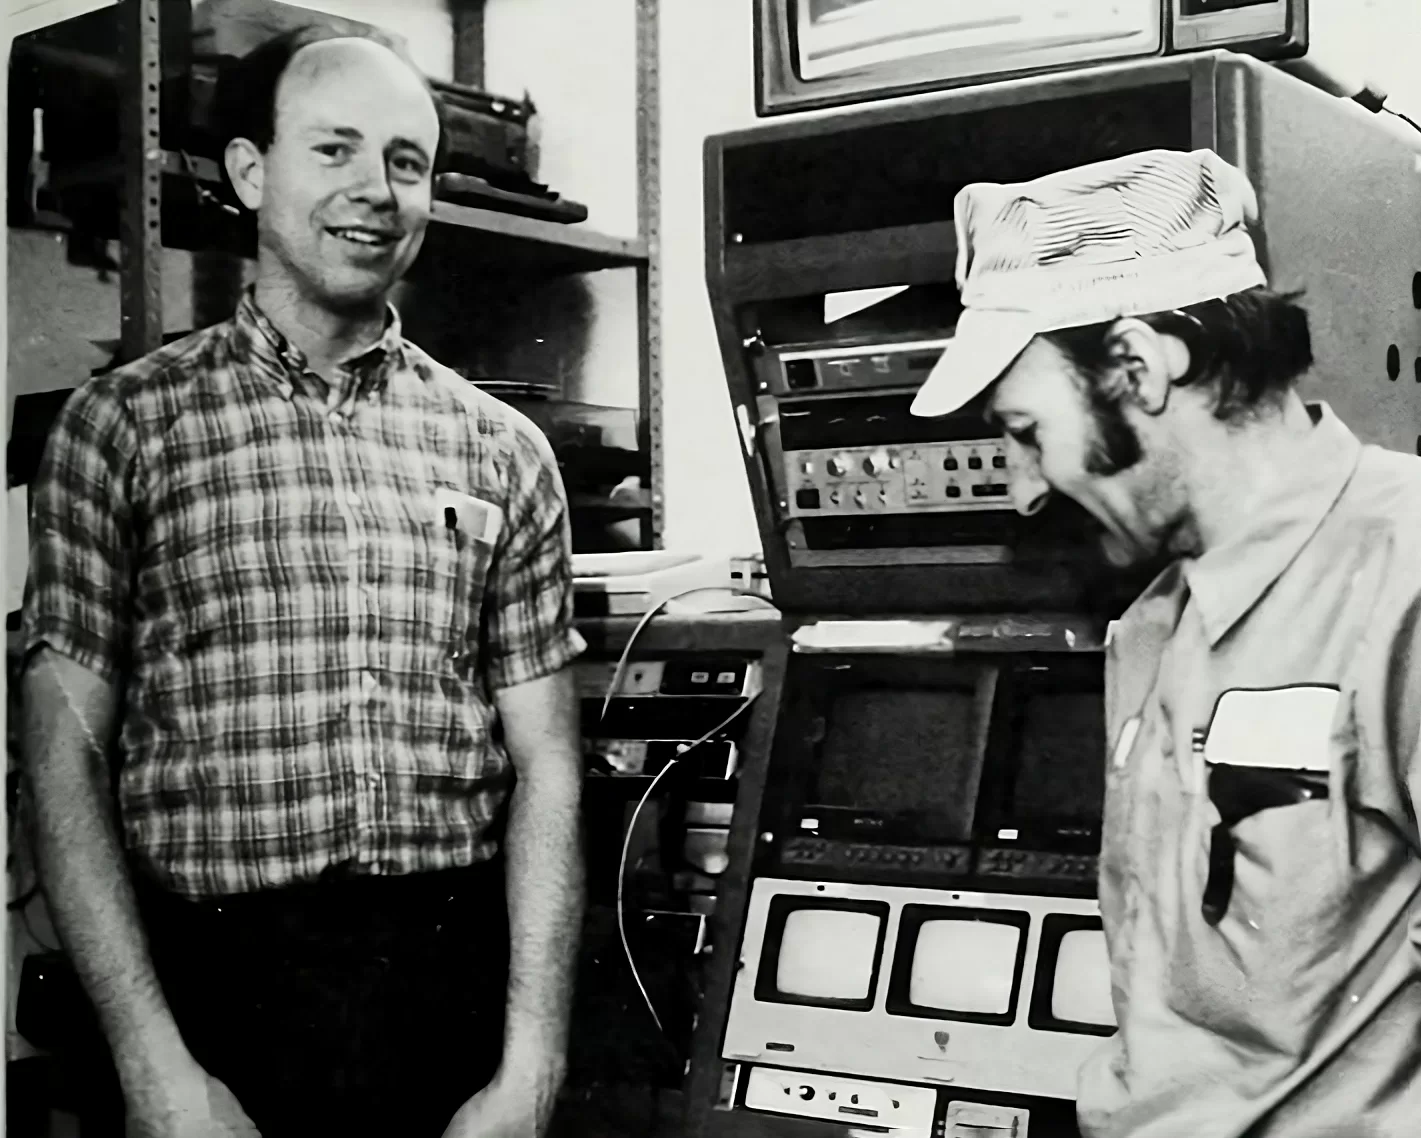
column 1407, row 119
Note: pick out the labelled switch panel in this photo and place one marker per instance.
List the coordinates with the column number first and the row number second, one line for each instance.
column 691, row 676
column 904, row 1110
column 975, row 1120
column 924, row 478
column 890, row 365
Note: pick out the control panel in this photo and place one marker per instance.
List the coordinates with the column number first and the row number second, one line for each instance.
column 975, row 1120
column 827, row 853
column 929, row 478
column 1036, row 865
column 904, row 364
column 811, row 1094
column 697, row 676
column 877, row 860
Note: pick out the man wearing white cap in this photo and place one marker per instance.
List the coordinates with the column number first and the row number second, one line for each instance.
column 1261, row 860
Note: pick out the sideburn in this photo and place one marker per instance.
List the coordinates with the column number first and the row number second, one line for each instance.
column 1115, row 444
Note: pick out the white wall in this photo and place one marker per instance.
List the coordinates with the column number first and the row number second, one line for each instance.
column 1375, row 39
column 707, row 86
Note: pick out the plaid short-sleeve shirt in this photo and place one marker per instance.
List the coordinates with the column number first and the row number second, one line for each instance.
column 309, row 599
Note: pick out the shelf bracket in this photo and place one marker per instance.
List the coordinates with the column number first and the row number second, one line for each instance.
column 141, row 289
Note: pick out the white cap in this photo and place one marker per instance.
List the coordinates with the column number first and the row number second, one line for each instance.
column 1149, row 232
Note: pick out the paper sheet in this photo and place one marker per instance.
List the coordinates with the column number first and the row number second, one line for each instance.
column 838, row 305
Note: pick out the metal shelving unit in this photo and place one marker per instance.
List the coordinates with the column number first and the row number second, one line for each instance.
column 522, row 245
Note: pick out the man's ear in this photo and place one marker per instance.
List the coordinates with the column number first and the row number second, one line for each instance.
column 1149, row 361
column 246, row 169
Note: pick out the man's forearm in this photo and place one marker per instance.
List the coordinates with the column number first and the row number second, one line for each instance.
column 543, row 851
column 68, row 715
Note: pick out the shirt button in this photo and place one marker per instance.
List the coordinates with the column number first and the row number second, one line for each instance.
column 368, row 683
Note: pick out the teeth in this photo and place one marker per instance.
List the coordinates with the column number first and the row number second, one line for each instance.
column 358, row 235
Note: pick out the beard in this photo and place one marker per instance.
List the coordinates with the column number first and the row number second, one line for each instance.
column 1115, row 448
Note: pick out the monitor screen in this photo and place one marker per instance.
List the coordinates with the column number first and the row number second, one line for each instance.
column 822, row 952
column 964, row 966
column 836, row 36
column 904, row 753
column 1047, row 765
column 956, row 963
column 1080, row 989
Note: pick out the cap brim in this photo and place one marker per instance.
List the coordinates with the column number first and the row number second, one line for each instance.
column 984, row 345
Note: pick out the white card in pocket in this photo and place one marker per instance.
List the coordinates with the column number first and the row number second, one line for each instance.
column 1280, row 729
column 474, row 518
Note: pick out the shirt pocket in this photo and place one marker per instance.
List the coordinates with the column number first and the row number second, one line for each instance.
column 1264, row 909
column 1267, row 974
column 460, row 564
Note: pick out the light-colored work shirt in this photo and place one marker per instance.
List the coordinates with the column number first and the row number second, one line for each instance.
column 1297, row 1014
column 309, row 599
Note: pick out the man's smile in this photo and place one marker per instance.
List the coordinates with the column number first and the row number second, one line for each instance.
column 366, row 236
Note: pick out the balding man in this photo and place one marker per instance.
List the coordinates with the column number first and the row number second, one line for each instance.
column 307, row 594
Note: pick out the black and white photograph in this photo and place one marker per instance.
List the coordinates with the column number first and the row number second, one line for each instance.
column 713, row 569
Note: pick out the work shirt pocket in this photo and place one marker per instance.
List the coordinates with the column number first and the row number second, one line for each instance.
column 1261, row 953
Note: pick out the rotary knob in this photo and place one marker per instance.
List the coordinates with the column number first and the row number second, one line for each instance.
column 876, row 463
column 837, row 466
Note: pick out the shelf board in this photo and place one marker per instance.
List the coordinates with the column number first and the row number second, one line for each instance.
column 526, row 243
column 907, row 254
column 521, row 245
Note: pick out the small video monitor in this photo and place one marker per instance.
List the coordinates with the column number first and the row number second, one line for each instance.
column 822, row 952
column 1072, row 992
column 958, row 963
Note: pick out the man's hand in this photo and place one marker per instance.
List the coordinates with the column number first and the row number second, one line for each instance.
column 190, row 1105
column 512, row 1106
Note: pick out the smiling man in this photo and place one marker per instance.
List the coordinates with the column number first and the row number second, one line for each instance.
column 1261, row 863
column 303, row 596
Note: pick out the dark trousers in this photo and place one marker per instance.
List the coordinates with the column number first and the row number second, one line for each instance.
column 355, row 1006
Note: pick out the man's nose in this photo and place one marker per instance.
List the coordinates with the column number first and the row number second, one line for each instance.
column 1029, row 490
column 374, row 186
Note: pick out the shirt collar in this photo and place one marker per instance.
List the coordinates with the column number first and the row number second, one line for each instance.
column 260, row 341
column 1228, row 581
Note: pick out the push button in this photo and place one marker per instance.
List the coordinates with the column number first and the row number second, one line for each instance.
column 807, row 499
